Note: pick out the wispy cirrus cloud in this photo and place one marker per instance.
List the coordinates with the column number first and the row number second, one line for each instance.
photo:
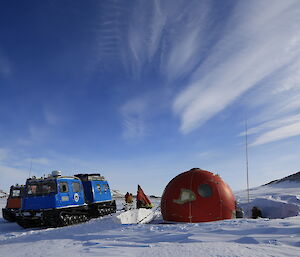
column 259, row 40
column 276, row 107
column 274, row 130
column 278, row 133
column 247, row 51
column 134, row 118
column 188, row 25
column 144, row 32
column 272, row 124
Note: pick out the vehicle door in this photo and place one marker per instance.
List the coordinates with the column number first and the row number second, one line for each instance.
column 64, row 196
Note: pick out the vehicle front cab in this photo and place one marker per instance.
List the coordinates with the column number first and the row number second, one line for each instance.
column 14, row 202
column 51, row 193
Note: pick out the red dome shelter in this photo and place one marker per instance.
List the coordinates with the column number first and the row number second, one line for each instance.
column 197, row 196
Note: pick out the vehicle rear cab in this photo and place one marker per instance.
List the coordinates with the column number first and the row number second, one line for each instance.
column 97, row 194
column 46, row 198
column 14, row 202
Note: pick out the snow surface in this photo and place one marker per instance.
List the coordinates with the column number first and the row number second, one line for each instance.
column 107, row 236
column 276, row 201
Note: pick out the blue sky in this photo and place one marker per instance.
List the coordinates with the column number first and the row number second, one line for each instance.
column 141, row 91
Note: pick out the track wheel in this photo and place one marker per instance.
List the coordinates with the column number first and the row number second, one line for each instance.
column 64, row 219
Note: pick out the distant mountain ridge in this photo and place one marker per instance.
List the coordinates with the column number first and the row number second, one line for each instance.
column 116, row 193
column 291, row 178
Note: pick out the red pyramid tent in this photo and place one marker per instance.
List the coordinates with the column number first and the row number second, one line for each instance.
column 142, row 201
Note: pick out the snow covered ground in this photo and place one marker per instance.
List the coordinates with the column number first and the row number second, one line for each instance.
column 107, row 236
column 276, row 201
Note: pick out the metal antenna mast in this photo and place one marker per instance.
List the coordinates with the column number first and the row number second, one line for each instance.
column 30, row 167
column 247, row 166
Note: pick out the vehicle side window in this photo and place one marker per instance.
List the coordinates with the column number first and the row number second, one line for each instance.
column 32, row 189
column 46, row 189
column 98, row 186
column 52, row 188
column 106, row 187
column 16, row 193
column 63, row 187
column 76, row 187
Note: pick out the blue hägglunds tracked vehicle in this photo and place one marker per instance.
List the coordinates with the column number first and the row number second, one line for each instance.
column 64, row 200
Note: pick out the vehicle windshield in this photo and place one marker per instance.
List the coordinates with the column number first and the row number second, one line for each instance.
column 15, row 193
column 41, row 187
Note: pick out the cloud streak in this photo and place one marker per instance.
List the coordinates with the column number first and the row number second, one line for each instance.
column 253, row 48
column 134, row 118
column 278, row 134
column 216, row 55
column 274, row 130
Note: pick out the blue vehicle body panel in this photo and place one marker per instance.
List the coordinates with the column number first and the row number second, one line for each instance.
column 88, row 191
column 39, row 202
column 69, row 198
column 97, row 191
column 59, row 199
column 103, row 193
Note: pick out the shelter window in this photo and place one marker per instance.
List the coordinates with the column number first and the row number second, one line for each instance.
column 63, row 187
column 205, row 190
column 76, row 187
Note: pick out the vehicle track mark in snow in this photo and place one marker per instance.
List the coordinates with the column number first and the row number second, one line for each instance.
column 246, row 240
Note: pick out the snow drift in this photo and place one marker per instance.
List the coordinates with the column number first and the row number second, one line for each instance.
column 136, row 216
column 276, row 200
